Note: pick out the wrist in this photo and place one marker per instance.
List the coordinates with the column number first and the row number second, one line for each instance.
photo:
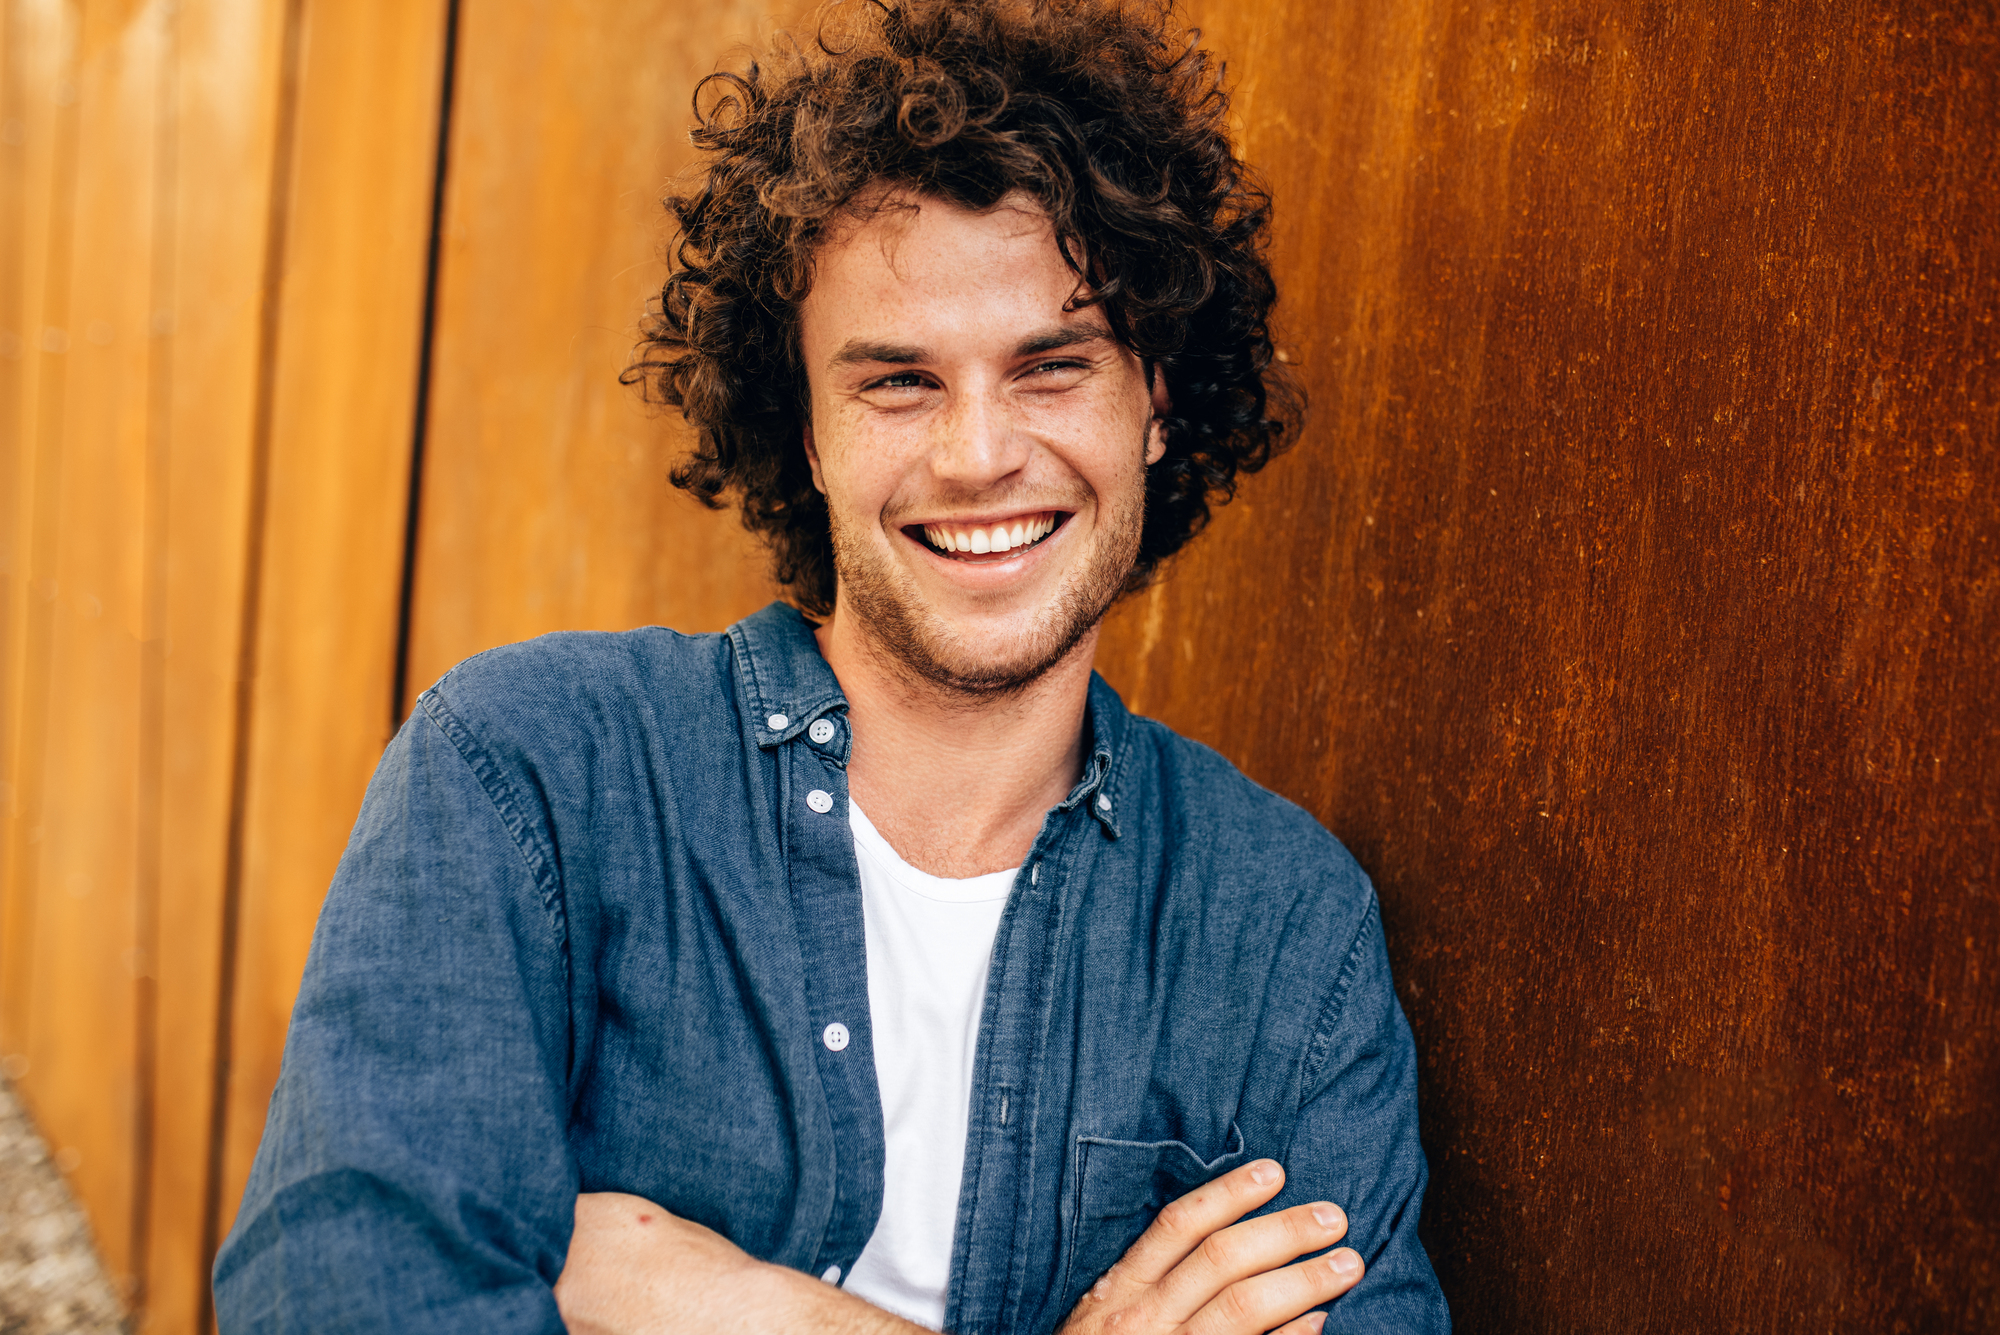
column 828, row 1307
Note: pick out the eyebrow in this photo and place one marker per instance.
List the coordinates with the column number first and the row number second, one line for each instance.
column 859, row 351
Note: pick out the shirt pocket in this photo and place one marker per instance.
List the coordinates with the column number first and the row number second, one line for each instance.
column 1120, row 1186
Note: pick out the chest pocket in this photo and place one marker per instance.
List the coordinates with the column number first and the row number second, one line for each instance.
column 1120, row 1186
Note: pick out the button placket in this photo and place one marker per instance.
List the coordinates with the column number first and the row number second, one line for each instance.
column 826, row 896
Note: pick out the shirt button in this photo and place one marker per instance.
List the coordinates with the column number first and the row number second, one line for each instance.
column 835, row 1037
column 1103, row 802
column 821, row 732
column 831, row 1274
column 819, row 801
column 778, row 722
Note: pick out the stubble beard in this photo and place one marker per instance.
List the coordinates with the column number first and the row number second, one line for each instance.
column 915, row 640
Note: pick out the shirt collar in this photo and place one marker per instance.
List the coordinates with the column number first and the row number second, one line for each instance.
column 780, row 672
column 787, row 683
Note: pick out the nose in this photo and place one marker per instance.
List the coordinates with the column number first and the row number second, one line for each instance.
column 979, row 443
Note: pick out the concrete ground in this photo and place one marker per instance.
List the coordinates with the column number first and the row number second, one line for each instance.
column 50, row 1279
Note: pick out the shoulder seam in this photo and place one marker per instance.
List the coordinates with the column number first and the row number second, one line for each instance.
column 535, row 855
column 1321, row 1045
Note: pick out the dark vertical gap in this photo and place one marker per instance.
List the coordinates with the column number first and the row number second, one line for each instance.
column 152, row 661
column 271, row 310
column 399, row 686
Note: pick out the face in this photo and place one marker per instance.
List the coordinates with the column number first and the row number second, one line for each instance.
column 982, row 451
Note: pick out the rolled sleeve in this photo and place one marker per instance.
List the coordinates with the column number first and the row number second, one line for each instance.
column 414, row 1173
column 1356, row 1144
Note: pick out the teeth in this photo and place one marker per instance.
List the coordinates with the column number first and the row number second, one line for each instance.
column 999, row 538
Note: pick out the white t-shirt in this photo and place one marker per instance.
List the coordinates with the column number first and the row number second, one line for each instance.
column 929, row 942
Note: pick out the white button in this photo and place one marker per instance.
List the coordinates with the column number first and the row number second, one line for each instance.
column 821, row 732
column 1103, row 802
column 831, row 1274
column 819, row 801
column 835, row 1037
column 778, row 722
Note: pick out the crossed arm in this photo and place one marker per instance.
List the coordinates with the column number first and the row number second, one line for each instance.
column 1201, row 1269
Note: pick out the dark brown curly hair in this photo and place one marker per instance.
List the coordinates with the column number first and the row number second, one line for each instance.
column 1105, row 111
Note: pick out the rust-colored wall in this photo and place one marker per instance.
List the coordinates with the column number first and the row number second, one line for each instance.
column 1630, row 610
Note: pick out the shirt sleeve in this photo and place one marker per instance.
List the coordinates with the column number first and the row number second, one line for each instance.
column 1355, row 1144
column 414, row 1174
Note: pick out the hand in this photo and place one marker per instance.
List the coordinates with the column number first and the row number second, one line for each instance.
column 634, row 1267
column 1197, row 1271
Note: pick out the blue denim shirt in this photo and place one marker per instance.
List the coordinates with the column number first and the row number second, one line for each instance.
column 589, row 935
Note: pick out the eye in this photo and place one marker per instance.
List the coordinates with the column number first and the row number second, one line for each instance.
column 1057, row 374
column 900, row 380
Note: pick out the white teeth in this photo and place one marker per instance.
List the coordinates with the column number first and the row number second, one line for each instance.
column 999, row 538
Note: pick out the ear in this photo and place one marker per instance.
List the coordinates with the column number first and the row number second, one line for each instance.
column 1156, row 430
column 812, row 459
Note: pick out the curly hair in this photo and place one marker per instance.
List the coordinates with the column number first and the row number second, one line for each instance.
column 1103, row 111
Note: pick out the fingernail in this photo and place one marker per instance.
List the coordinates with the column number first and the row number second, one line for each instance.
column 1264, row 1173
column 1314, row 1320
column 1346, row 1263
column 1329, row 1216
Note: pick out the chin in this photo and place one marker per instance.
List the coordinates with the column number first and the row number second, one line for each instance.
column 976, row 659
column 977, row 656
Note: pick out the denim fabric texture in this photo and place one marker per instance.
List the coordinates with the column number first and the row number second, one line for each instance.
column 593, row 927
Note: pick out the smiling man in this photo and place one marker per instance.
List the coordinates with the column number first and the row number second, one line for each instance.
column 869, row 964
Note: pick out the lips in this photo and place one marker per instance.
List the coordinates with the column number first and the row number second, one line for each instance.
column 999, row 537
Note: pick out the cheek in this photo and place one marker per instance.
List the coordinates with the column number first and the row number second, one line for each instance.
column 861, row 478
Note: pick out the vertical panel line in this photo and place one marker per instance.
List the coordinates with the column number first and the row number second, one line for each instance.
column 19, row 910
column 270, row 314
column 152, row 661
column 420, row 427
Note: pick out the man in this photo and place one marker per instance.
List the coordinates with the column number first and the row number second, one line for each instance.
column 881, row 968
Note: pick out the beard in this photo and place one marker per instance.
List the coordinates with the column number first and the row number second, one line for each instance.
column 912, row 636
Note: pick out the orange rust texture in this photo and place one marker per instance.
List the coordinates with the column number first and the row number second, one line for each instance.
column 1630, row 608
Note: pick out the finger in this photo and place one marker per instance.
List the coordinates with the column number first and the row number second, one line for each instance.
column 1280, row 1297
column 1246, row 1249
column 1308, row 1324
column 1184, row 1222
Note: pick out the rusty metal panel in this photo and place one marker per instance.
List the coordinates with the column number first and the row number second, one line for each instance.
column 1630, row 609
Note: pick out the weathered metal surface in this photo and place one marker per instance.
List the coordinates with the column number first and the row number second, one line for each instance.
column 1630, row 610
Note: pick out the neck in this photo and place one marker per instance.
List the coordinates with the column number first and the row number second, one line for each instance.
column 958, row 783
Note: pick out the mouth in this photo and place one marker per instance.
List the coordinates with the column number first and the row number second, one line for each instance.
column 995, row 540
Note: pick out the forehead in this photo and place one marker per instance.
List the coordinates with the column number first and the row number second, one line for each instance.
column 916, row 265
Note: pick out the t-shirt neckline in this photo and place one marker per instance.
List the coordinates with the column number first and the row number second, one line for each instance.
column 869, row 843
